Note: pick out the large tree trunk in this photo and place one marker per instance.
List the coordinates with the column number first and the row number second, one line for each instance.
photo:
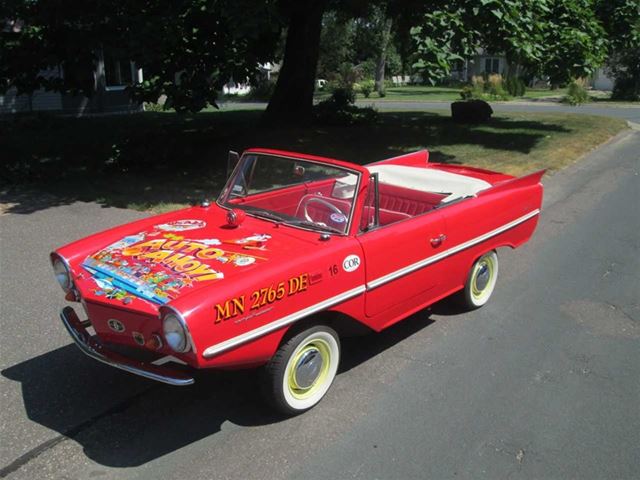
column 292, row 100
column 382, row 54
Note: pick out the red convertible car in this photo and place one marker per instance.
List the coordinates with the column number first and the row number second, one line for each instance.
column 297, row 251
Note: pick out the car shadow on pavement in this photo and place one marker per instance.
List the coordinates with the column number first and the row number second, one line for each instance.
column 357, row 350
column 123, row 421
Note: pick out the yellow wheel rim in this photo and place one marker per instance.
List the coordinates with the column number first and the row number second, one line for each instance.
column 316, row 350
column 482, row 277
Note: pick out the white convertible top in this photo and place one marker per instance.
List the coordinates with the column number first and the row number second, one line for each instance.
column 429, row 180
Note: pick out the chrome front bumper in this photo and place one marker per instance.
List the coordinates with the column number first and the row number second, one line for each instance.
column 92, row 347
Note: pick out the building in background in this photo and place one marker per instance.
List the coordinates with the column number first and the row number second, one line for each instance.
column 109, row 79
column 480, row 64
column 600, row 80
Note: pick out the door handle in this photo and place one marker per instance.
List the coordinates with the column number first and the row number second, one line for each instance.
column 437, row 241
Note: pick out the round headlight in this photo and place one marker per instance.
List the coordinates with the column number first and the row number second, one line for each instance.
column 62, row 274
column 174, row 333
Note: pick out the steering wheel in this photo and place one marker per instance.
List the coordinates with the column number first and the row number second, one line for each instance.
column 309, row 200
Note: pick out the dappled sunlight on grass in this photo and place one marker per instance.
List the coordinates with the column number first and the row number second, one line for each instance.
column 161, row 161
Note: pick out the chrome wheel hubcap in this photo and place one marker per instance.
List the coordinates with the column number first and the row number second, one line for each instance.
column 482, row 278
column 308, row 368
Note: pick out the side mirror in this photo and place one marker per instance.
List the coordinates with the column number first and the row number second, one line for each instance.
column 232, row 161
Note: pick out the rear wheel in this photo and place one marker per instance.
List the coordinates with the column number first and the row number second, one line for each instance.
column 302, row 370
column 481, row 281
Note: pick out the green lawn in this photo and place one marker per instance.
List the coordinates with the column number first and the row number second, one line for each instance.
column 162, row 161
column 420, row 93
column 540, row 93
column 409, row 93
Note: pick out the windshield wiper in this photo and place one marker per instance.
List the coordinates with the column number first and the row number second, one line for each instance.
column 314, row 226
column 259, row 212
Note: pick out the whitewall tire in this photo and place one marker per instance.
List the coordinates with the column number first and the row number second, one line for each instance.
column 481, row 281
column 302, row 370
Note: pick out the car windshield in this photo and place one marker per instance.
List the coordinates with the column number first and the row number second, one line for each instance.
column 302, row 193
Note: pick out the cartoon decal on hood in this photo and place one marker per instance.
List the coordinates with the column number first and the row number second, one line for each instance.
column 182, row 225
column 158, row 264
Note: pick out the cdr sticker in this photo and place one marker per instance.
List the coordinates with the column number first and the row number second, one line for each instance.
column 351, row 263
column 338, row 218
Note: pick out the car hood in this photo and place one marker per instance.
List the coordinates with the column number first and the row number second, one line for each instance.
column 184, row 252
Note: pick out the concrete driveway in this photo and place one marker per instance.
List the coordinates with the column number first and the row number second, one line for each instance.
column 543, row 382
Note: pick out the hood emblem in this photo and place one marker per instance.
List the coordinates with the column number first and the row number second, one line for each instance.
column 116, row 325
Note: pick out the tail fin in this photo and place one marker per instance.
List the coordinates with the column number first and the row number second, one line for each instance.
column 527, row 180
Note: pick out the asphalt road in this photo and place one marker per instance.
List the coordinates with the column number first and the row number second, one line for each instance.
column 543, row 382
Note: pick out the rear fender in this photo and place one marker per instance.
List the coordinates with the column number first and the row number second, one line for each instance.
column 525, row 194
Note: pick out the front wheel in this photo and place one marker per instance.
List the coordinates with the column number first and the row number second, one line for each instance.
column 302, row 370
column 481, row 281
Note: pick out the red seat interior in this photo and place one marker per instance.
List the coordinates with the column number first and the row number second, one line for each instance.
column 386, row 216
column 405, row 200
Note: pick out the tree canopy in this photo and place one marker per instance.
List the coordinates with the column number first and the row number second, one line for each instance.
column 189, row 49
column 621, row 20
column 562, row 39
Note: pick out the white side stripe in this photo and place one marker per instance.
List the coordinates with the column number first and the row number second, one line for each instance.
column 318, row 307
column 270, row 327
column 435, row 258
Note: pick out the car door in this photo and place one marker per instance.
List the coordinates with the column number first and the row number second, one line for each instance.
column 400, row 264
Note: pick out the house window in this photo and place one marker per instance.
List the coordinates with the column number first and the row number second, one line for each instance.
column 492, row 65
column 118, row 73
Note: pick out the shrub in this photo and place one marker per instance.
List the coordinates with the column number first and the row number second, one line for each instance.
column 515, row 86
column 367, row 87
column 262, row 91
column 331, row 85
column 367, row 68
column 343, row 96
column 466, row 93
column 626, row 88
column 153, row 107
column 382, row 92
column 494, row 87
column 576, row 93
column 477, row 83
column 491, row 87
column 340, row 110
column 345, row 77
column 474, row 90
